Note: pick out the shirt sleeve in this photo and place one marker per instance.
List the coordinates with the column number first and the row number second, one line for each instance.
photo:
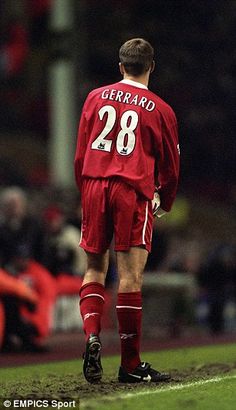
column 168, row 163
column 80, row 148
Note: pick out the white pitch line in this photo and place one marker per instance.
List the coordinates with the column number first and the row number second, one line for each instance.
column 177, row 387
column 162, row 389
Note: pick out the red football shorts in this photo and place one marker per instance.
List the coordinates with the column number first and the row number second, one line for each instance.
column 110, row 207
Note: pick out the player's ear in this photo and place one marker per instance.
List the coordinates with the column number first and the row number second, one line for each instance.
column 153, row 66
column 122, row 70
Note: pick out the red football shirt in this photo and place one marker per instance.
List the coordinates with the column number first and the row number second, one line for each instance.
column 126, row 130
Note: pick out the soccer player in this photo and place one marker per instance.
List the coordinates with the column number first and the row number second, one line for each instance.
column 127, row 146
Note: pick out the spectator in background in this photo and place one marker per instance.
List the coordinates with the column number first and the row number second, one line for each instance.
column 61, row 251
column 64, row 259
column 17, row 226
column 30, row 326
column 19, row 292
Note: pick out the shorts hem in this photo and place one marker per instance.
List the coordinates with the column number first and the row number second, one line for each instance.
column 132, row 245
column 93, row 250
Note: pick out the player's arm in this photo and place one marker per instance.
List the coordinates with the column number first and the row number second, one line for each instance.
column 81, row 147
column 168, row 163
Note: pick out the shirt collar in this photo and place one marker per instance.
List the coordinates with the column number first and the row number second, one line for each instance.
column 134, row 83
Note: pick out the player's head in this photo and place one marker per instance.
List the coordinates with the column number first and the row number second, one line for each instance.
column 136, row 57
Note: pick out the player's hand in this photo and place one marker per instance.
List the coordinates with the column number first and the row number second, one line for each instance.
column 156, row 202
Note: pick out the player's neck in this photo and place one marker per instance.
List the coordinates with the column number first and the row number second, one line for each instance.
column 143, row 79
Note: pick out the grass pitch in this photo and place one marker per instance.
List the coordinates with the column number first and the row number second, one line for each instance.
column 203, row 378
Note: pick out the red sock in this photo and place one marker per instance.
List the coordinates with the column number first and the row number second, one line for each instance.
column 91, row 307
column 129, row 313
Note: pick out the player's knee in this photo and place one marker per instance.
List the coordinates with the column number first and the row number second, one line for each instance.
column 93, row 275
column 130, row 284
column 97, row 262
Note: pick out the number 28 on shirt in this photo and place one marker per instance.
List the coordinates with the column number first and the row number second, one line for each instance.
column 125, row 139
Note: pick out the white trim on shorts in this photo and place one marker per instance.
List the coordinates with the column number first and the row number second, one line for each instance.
column 145, row 224
column 81, row 227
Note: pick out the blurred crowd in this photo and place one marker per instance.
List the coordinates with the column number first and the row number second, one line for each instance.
column 40, row 260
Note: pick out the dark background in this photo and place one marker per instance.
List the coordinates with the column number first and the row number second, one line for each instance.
column 195, row 57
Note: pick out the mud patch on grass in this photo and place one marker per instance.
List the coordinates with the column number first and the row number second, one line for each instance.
column 73, row 387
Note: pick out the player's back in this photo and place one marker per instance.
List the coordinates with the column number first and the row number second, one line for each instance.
column 122, row 129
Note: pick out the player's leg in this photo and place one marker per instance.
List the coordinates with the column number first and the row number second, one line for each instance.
column 91, row 308
column 129, row 312
column 132, row 228
column 130, row 267
column 92, row 292
column 96, row 237
column 133, row 220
